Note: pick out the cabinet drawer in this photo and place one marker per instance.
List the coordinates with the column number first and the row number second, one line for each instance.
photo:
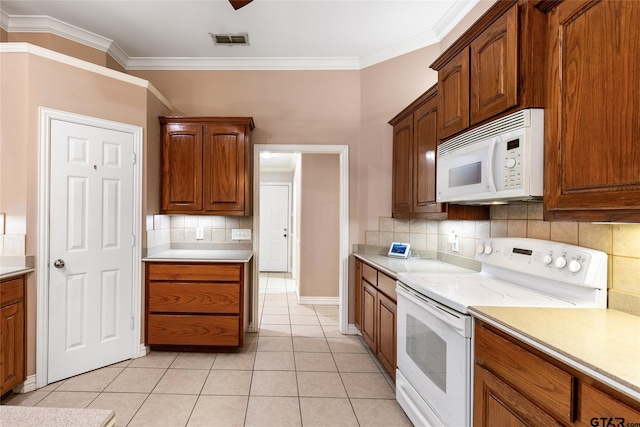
column 201, row 297
column 204, row 272
column 166, row 329
column 370, row 274
column 11, row 291
column 544, row 384
column 387, row 285
column 597, row 404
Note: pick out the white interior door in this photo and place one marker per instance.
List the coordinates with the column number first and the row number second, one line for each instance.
column 90, row 248
column 274, row 227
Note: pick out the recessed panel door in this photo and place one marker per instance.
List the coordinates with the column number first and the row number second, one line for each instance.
column 91, row 248
column 274, row 227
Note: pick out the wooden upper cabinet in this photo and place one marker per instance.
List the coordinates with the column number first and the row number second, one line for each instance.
column 402, row 191
column 425, row 124
column 225, row 168
column 182, row 168
column 496, row 67
column 592, row 120
column 453, row 84
column 415, row 139
column 206, row 165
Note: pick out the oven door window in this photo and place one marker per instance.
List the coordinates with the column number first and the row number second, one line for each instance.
column 428, row 351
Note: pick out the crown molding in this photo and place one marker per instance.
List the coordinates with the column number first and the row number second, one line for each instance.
column 243, row 64
column 84, row 65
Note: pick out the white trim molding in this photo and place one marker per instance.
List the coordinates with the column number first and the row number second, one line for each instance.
column 83, row 65
column 319, row 300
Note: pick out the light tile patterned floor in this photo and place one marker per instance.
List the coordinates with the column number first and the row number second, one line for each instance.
column 298, row 371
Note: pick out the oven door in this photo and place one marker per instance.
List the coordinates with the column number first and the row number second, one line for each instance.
column 434, row 357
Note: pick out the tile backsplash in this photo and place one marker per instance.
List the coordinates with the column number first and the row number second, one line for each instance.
column 168, row 230
column 620, row 241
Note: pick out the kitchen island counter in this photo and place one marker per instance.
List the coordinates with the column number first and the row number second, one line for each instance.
column 602, row 343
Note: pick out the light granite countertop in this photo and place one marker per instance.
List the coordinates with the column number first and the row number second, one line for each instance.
column 602, row 343
column 28, row 416
column 9, row 272
column 394, row 266
column 201, row 255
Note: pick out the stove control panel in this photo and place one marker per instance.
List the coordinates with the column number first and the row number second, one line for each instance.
column 546, row 259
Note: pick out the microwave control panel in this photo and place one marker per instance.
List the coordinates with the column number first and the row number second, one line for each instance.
column 511, row 157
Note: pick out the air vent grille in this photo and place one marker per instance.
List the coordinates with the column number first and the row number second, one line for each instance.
column 241, row 39
column 508, row 123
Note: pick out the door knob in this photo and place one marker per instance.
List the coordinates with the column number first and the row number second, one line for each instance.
column 59, row 263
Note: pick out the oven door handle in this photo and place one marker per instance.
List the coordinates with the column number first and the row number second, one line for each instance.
column 461, row 324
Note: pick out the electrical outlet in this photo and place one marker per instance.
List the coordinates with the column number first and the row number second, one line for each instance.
column 199, row 233
column 240, row 234
column 453, row 239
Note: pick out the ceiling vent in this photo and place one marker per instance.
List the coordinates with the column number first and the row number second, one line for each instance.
column 240, row 39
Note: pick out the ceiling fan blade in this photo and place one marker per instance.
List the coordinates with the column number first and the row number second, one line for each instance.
column 237, row 4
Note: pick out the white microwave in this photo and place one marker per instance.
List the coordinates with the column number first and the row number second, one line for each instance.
column 497, row 162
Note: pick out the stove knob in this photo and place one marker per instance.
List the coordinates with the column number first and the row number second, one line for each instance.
column 574, row 266
column 488, row 250
column 547, row 259
column 561, row 262
column 480, row 249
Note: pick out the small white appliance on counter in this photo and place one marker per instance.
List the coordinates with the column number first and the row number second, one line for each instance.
column 496, row 162
column 434, row 362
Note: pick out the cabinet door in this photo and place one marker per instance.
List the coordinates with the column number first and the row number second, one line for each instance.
column 369, row 305
column 387, row 333
column 592, row 120
column 453, row 92
column 12, row 356
column 494, row 68
column 425, row 125
column 358, row 307
column 226, row 169
column 402, row 166
column 182, row 168
column 597, row 405
column 497, row 404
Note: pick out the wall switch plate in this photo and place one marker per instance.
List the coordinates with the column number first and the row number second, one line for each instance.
column 240, row 234
column 199, row 233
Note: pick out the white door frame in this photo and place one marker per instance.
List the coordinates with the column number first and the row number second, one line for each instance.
column 289, row 213
column 343, row 268
column 46, row 115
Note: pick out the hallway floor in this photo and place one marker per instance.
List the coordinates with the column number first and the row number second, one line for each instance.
column 297, row 371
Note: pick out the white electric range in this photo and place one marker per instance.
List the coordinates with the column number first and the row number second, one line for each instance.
column 435, row 365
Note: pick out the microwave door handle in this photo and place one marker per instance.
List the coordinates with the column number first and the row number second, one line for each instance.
column 490, row 180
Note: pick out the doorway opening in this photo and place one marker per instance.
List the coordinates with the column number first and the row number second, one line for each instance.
column 342, row 214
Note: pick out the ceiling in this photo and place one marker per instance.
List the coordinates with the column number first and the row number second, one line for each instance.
column 283, row 34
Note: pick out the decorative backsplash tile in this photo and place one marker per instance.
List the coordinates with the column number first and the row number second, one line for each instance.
column 620, row 241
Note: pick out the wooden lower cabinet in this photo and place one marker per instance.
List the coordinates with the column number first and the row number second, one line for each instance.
column 12, row 333
column 196, row 304
column 376, row 313
column 516, row 385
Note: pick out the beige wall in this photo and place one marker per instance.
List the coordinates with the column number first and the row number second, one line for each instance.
column 319, row 225
column 65, row 46
column 27, row 83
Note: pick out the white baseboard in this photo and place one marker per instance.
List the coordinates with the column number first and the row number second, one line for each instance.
column 319, row 300
column 143, row 351
column 352, row 330
column 29, row 384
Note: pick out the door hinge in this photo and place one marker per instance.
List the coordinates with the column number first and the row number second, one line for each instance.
column 133, row 240
column 131, row 323
column 134, row 158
